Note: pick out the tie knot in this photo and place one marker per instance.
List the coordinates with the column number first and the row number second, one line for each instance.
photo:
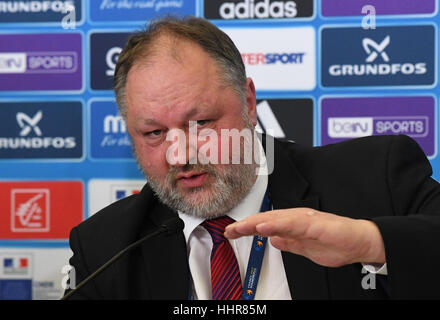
column 216, row 228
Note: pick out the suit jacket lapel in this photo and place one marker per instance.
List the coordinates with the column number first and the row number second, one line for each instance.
column 166, row 260
column 288, row 189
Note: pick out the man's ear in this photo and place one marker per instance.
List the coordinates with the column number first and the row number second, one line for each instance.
column 251, row 101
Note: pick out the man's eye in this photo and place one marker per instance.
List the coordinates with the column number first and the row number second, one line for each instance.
column 202, row 122
column 155, row 133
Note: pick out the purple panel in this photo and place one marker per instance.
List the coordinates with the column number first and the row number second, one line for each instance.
column 40, row 61
column 347, row 118
column 335, row 8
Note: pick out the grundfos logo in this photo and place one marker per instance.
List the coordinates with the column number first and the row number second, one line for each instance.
column 40, row 130
column 29, row 126
column 258, row 9
column 386, row 56
column 40, row 11
column 375, row 51
column 36, row 6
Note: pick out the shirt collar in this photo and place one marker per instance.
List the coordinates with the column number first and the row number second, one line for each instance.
column 250, row 205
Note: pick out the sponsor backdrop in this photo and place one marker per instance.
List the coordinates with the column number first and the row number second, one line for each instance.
column 325, row 71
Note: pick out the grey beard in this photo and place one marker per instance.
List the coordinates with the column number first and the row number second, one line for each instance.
column 227, row 190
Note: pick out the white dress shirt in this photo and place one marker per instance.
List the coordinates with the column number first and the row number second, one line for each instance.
column 272, row 284
column 273, row 281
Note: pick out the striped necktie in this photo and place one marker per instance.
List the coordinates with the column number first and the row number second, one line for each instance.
column 225, row 273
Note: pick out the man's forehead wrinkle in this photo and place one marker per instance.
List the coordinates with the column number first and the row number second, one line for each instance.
column 164, row 45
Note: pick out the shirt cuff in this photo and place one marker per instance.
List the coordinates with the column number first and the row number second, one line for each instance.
column 376, row 268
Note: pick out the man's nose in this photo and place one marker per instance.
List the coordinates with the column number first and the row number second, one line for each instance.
column 182, row 148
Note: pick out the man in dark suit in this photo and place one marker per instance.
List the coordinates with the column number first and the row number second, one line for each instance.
column 338, row 210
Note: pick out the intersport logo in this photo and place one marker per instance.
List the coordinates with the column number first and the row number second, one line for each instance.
column 257, row 9
column 394, row 56
column 274, row 63
column 273, row 58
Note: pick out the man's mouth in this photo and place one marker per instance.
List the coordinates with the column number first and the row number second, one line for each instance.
column 192, row 179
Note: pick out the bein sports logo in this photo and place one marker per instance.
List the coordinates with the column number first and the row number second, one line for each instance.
column 253, row 59
column 373, row 51
column 38, row 62
column 30, row 210
column 356, row 127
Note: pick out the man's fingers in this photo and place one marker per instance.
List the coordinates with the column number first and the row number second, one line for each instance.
column 240, row 229
column 268, row 224
column 285, row 227
column 287, row 245
column 245, row 227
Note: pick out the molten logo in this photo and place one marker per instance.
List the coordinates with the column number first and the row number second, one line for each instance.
column 114, row 124
column 30, row 210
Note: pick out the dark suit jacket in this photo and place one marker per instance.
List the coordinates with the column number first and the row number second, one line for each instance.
column 383, row 178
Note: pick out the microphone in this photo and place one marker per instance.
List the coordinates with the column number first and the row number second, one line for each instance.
column 169, row 227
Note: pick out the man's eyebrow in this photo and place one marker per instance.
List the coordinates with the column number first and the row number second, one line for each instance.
column 192, row 112
column 187, row 115
column 148, row 122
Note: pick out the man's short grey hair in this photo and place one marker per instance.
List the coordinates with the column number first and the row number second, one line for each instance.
column 211, row 39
